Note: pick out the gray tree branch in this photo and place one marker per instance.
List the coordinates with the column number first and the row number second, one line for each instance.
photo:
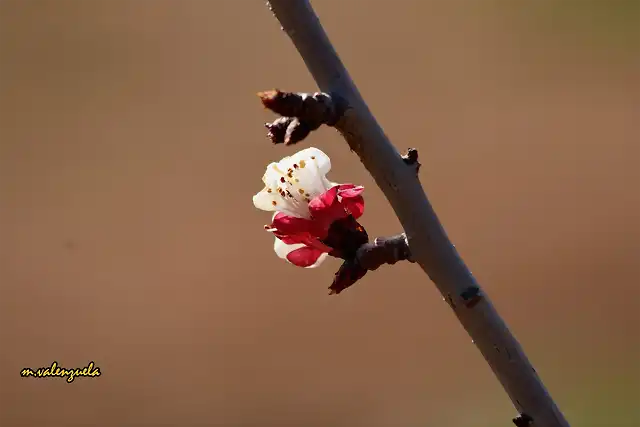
column 430, row 247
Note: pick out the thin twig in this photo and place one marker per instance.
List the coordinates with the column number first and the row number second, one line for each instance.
column 430, row 246
column 301, row 114
column 370, row 257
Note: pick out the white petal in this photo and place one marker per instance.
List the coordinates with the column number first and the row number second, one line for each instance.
column 271, row 201
column 265, row 199
column 311, row 154
column 328, row 184
column 273, row 174
column 305, row 174
column 320, row 260
column 283, row 249
column 293, row 182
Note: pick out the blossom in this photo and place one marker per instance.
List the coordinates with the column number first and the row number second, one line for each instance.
column 313, row 217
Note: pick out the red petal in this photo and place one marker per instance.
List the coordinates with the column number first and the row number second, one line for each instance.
column 290, row 224
column 354, row 206
column 312, row 242
column 326, row 208
column 351, row 199
column 304, row 257
column 349, row 191
column 289, row 240
column 324, row 201
column 303, row 238
column 317, row 244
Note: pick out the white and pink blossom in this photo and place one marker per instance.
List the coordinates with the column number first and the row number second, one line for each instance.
column 306, row 204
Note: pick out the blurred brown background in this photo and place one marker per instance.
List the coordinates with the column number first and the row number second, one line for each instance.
column 132, row 143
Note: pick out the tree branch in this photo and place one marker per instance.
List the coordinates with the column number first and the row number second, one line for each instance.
column 430, row 246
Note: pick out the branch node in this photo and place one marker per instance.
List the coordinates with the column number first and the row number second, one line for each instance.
column 301, row 113
column 370, row 257
column 383, row 250
column 471, row 296
column 449, row 300
column 411, row 159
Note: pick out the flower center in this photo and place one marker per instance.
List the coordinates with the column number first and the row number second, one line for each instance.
column 297, row 186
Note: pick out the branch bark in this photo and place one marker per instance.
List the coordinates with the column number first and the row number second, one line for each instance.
column 429, row 244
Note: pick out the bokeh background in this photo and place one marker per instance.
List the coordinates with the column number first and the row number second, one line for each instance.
column 131, row 145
